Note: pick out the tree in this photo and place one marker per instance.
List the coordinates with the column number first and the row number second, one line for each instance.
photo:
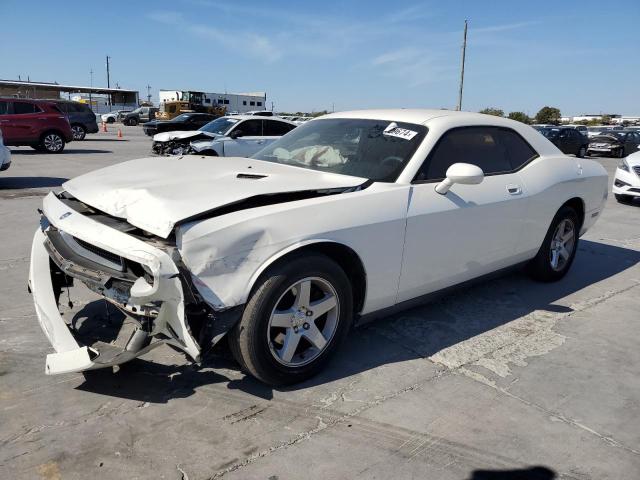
column 496, row 112
column 548, row 115
column 520, row 117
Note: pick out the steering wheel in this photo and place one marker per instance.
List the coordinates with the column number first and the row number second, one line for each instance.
column 389, row 161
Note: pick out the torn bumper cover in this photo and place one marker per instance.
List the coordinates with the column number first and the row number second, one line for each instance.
column 143, row 281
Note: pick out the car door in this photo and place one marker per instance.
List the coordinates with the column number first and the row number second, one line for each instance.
column 24, row 121
column 5, row 124
column 249, row 141
column 472, row 230
column 272, row 130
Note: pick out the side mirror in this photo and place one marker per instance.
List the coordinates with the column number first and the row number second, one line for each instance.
column 235, row 134
column 463, row 173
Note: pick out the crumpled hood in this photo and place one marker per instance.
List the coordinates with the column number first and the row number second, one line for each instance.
column 180, row 135
column 156, row 193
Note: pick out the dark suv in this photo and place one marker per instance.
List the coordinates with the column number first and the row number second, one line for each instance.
column 81, row 118
column 37, row 123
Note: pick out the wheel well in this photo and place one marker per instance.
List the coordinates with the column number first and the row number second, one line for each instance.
column 578, row 205
column 208, row 153
column 348, row 260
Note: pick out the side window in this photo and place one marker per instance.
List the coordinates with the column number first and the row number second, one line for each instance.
column 23, row 108
column 274, row 128
column 4, row 108
column 251, row 128
column 495, row 150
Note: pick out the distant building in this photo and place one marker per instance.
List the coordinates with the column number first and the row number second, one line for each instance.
column 234, row 102
column 101, row 100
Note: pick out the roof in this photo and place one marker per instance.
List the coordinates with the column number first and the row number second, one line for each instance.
column 409, row 115
column 259, row 117
column 69, row 88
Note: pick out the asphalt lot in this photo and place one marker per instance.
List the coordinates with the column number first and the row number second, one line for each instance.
column 506, row 376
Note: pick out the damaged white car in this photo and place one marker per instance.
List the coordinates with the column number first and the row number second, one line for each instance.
column 230, row 136
column 347, row 217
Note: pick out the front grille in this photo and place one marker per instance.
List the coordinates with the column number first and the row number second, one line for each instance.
column 637, row 170
column 112, row 257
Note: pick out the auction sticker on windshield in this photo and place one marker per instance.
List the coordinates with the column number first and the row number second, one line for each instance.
column 393, row 130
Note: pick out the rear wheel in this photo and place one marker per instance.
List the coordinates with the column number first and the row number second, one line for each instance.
column 79, row 132
column 558, row 248
column 52, row 142
column 111, row 120
column 132, row 122
column 296, row 317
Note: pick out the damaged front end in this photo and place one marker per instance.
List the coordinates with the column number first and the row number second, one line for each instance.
column 142, row 275
column 171, row 147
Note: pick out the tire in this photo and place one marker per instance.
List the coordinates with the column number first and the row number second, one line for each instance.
column 541, row 267
column 258, row 341
column 52, row 142
column 620, row 153
column 582, row 152
column 111, row 120
column 132, row 122
column 79, row 132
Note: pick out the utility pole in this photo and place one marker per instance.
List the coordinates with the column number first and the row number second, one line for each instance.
column 91, row 85
column 108, row 81
column 464, row 52
column 148, row 93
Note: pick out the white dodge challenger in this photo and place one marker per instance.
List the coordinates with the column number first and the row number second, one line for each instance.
column 347, row 217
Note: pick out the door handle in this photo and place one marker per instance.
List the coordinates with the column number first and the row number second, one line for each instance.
column 514, row 189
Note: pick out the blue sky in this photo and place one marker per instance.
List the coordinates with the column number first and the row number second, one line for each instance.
column 580, row 56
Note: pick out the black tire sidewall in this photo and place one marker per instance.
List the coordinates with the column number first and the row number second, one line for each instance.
column 250, row 334
column 540, row 268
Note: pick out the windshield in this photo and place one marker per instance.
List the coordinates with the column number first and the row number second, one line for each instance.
column 373, row 149
column 182, row 117
column 550, row 133
column 219, row 125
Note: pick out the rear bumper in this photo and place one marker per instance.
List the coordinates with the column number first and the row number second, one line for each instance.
column 158, row 309
column 92, row 127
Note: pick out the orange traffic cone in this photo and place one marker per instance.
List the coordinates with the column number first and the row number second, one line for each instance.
column 104, row 127
column 119, row 133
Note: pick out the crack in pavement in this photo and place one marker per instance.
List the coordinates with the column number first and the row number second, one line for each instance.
column 322, row 425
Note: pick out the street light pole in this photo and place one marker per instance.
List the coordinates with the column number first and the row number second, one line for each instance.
column 108, row 81
column 464, row 52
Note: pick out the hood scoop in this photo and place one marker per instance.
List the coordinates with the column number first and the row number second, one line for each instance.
column 250, row 176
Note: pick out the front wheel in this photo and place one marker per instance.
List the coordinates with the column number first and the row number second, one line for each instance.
column 297, row 316
column 52, row 143
column 79, row 132
column 558, row 248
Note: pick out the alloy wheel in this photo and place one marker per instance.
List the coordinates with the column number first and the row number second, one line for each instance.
column 52, row 142
column 303, row 322
column 562, row 244
column 78, row 132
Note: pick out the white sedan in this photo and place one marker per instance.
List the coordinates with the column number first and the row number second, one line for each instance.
column 229, row 136
column 626, row 184
column 349, row 216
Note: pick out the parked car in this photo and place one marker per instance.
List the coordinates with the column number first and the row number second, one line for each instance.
column 260, row 113
column 580, row 128
column 567, row 139
column 614, row 143
column 81, row 118
column 626, row 183
column 139, row 115
column 5, row 154
column 39, row 124
column 237, row 136
column 114, row 116
column 183, row 122
column 349, row 216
